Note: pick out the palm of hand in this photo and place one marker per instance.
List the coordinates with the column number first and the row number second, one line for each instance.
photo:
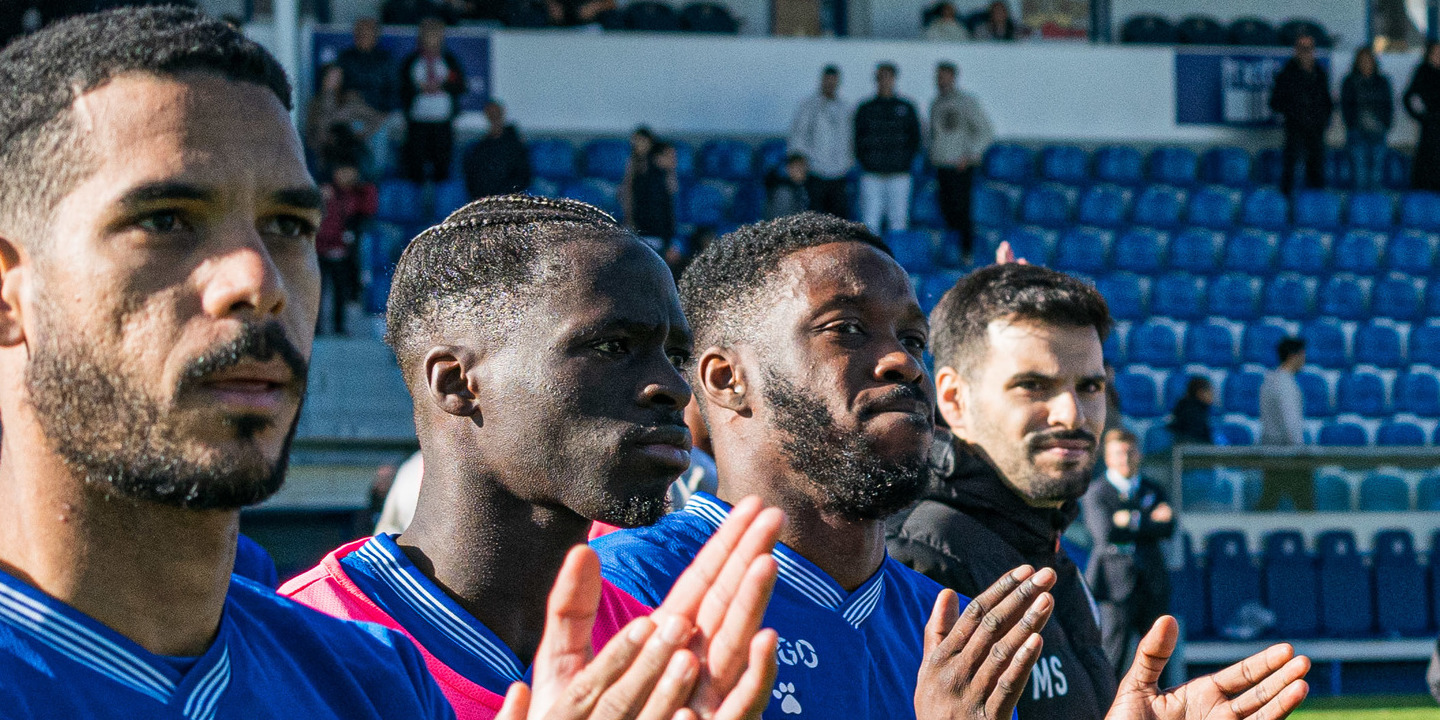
column 1200, row 699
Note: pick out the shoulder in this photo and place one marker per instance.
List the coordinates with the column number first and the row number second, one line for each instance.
column 931, row 529
column 363, row 645
column 644, row 562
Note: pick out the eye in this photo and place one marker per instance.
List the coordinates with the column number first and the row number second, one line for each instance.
column 164, row 221
column 611, row 347
column 914, row 343
column 845, row 327
column 1092, row 387
column 288, row 226
column 679, row 358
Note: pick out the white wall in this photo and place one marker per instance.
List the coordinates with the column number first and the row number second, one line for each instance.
column 1343, row 18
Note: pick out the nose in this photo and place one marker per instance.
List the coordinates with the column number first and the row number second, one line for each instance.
column 1065, row 411
column 899, row 367
column 244, row 280
column 670, row 392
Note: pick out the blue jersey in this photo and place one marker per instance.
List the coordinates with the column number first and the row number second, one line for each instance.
column 271, row 658
column 852, row 655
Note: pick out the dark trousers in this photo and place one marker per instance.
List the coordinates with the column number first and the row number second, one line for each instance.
column 342, row 275
column 830, row 196
column 428, row 151
column 1308, row 145
column 953, row 194
column 1124, row 622
column 1298, row 485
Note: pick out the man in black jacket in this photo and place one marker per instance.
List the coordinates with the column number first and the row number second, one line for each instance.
column 498, row 163
column 1127, row 516
column 1301, row 93
column 887, row 136
column 431, row 83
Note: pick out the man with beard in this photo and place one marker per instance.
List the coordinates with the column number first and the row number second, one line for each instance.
column 158, row 291
column 541, row 343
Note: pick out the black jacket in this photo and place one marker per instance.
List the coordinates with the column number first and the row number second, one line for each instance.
column 1425, row 87
column 1302, row 97
column 453, row 85
column 1127, row 564
column 887, row 135
column 497, row 166
column 968, row 531
column 372, row 74
column 1191, row 423
column 1367, row 104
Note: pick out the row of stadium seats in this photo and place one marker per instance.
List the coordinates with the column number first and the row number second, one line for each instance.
column 1370, row 392
column 642, row 16
column 1222, row 345
column 605, row 158
column 1334, row 591
column 1225, row 490
column 1149, row 29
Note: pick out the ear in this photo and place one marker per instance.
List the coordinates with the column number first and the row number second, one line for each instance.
column 14, row 276
column 448, row 378
column 720, row 379
column 951, row 390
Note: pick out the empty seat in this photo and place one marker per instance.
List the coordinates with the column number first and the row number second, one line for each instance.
column 605, row 158
column 1232, row 580
column 1200, row 30
column 1343, row 434
column 934, row 285
column 1083, row 249
column 1210, row 344
column 1228, row 166
column 1325, row 343
column 1291, row 584
column 1358, row 251
column 1235, row 432
column 1346, row 297
column 749, row 205
column 1032, row 243
column 1318, row 209
column 1178, row 295
column 1213, row 207
column 708, row 17
column 1396, row 297
column 1139, row 397
column 1064, row 163
column 1158, row 439
column 726, row 160
column 1399, row 585
column 399, row 202
column 1196, row 250
column 1425, row 344
column 1304, row 251
column 1155, row 343
column 708, row 203
column 1411, row 251
column 1265, row 208
column 1103, row 206
column 1174, row 166
column 1011, row 163
column 1158, row 206
column 1147, row 30
column 1372, row 210
column 1399, row 433
column 1332, row 493
column 650, row 16
column 1346, row 601
column 1269, row 166
column 1139, row 250
column 450, row 196
column 1432, row 299
column 540, row 187
column 1418, row 392
column 1395, row 172
column 1258, row 343
column 1427, row 497
column 1047, row 205
column 1204, row 490
column 770, row 156
column 1420, row 211
column 1339, row 169
column 1250, row 251
column 595, row 191
column 1113, row 347
column 1315, row 394
column 1235, row 296
column 1251, row 31
column 1240, row 392
column 913, row 249
column 1361, row 392
column 1378, row 344
column 1119, row 164
column 924, row 207
column 1384, row 492
column 552, row 159
column 1289, row 296
column 993, row 205
column 1125, row 294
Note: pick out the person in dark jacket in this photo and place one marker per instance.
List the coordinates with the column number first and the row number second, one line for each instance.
column 1127, row 516
column 787, row 189
column 1367, row 105
column 1422, row 101
column 887, row 136
column 1190, row 421
column 653, row 188
column 431, row 83
column 498, row 163
column 368, row 67
column 1301, row 94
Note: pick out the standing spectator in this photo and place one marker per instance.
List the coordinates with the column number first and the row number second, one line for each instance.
column 498, row 163
column 1367, row 105
column 1282, row 422
column 1191, row 417
column 1127, row 516
column 960, row 132
column 340, row 126
column 944, row 25
column 887, row 136
column 369, row 69
column 653, row 191
column 1425, row 88
column 786, row 191
column 998, row 25
column 822, row 132
column 641, row 142
column 431, row 83
column 1301, row 93
column 349, row 203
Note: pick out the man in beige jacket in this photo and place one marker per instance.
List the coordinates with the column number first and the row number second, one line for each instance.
column 959, row 134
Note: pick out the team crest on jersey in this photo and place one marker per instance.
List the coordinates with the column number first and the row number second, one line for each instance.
column 785, row 693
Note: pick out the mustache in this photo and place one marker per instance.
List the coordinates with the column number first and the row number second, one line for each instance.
column 1036, row 439
column 257, row 341
column 903, row 392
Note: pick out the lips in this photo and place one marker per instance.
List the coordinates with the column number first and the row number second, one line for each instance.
column 256, row 385
column 668, row 444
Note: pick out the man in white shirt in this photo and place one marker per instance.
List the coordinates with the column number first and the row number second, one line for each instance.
column 1282, row 423
column 821, row 132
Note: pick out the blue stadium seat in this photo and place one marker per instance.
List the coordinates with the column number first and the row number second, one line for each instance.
column 1332, row 493
column 749, row 205
column 1345, row 297
column 1399, row 433
column 1147, row 29
column 924, row 207
column 1196, row 250
column 1204, row 490
column 1361, row 392
column 1382, row 491
column 1289, row 296
column 1372, row 210
column 1174, row 166
column 1343, row 434
column 1339, row 169
column 1420, row 211
column 1011, row 163
column 1083, row 249
column 1231, row 578
column 1304, row 251
column 1158, row 439
column 1138, row 395
column 1235, row 296
column 1213, row 207
column 1250, row 251
column 1358, row 251
column 1113, row 346
column 993, row 205
column 913, row 249
column 1291, row 587
column 1269, row 166
column 1210, row 344
column 1425, row 344
column 1047, row 205
column 726, row 160
column 1411, row 251
column 540, row 187
column 1435, row 579
column 1125, row 294
column 399, row 202
column 1319, row 209
column 1325, row 343
column 1396, row 297
column 1346, row 600
column 1400, row 585
column 1379, row 344
column 684, row 159
column 1315, row 394
column 606, row 158
column 1187, row 591
column 594, row 191
column 1140, row 250
column 1155, row 343
column 1427, row 498
column 1241, row 392
column 1119, row 164
column 450, row 196
column 1265, row 208
column 1252, row 31
column 1258, row 342
column 1032, row 243
column 1178, row 295
column 1228, row 166
column 707, row 202
column 1395, row 174
column 1174, row 386
column 552, row 159
column 1235, row 433
column 934, row 285
column 1064, row 163
column 1103, row 206
column 650, row 16
column 1418, row 393
column 1159, row 206
column 1432, row 298
column 770, row 156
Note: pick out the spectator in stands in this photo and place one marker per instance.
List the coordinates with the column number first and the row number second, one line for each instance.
column 1190, row 420
column 944, row 25
column 568, row 13
column 413, row 12
column 1301, row 94
column 1424, row 89
column 369, row 68
column 641, row 142
column 998, row 25
column 1127, row 516
column 431, row 83
column 887, row 136
column 498, row 163
column 652, row 194
column 1367, row 105
column 340, row 127
column 822, row 131
column 1282, row 422
column 786, row 189
column 349, row 203
column 960, row 132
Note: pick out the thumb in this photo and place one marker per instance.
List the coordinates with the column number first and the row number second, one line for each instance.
column 517, row 703
column 942, row 619
column 1155, row 650
column 569, row 619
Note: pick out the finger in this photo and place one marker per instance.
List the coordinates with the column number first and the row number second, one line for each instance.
column 1270, row 687
column 517, row 703
column 997, row 660
column 979, row 607
column 942, row 618
column 689, row 590
column 1150, row 657
column 1011, row 685
column 569, row 618
column 996, row 623
column 1248, row 673
column 726, row 654
column 577, row 695
column 1284, row 703
column 750, row 696
column 625, row 697
column 757, row 542
column 1003, row 254
column 673, row 689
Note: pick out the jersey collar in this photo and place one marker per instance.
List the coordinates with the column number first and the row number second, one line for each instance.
column 801, row 574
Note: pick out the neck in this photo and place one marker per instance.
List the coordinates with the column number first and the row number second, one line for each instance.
column 157, row 575
column 494, row 553
column 850, row 552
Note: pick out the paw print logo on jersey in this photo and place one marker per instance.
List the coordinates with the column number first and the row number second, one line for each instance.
column 785, row 693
